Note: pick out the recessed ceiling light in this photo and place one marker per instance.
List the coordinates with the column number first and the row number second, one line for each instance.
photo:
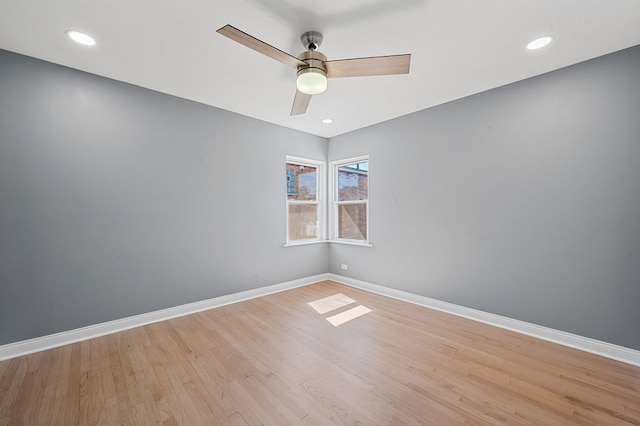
column 327, row 121
column 539, row 42
column 81, row 38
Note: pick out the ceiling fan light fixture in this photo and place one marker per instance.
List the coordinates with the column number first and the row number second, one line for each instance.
column 312, row 66
column 311, row 81
column 312, row 77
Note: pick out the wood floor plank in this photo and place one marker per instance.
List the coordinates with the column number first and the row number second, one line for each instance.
column 34, row 388
column 24, row 401
column 63, row 377
column 142, row 380
column 95, row 410
column 84, row 391
column 106, row 347
column 276, row 360
column 10, row 385
column 71, row 397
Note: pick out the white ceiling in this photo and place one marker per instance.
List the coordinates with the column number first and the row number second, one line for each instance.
column 458, row 47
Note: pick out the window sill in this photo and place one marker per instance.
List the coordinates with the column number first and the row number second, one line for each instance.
column 351, row 243
column 304, row 243
column 345, row 242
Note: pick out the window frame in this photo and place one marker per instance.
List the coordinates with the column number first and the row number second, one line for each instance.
column 334, row 167
column 319, row 202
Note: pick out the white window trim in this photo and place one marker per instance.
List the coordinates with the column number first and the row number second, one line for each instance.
column 333, row 212
column 320, row 201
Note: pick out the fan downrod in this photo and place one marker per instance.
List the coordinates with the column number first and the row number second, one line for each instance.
column 311, row 40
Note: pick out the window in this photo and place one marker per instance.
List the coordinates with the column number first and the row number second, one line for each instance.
column 350, row 200
column 305, row 185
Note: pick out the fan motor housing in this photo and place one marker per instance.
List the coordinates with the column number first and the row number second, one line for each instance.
column 315, row 62
column 311, row 40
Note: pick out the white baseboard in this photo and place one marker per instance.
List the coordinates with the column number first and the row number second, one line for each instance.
column 37, row 344
column 609, row 350
column 618, row 353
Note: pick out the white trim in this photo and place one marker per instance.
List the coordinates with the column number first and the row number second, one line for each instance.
column 303, row 202
column 304, row 161
column 351, row 243
column 38, row 344
column 351, row 202
column 350, row 160
column 304, row 243
column 608, row 350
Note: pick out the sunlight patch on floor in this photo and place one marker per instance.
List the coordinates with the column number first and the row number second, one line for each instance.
column 349, row 315
column 337, row 301
column 331, row 303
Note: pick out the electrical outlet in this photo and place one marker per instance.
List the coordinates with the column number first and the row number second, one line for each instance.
column 344, row 266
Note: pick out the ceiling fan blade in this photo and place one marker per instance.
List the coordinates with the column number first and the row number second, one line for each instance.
column 300, row 103
column 259, row 46
column 377, row 65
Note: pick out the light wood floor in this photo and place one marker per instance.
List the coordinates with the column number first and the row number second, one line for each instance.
column 274, row 360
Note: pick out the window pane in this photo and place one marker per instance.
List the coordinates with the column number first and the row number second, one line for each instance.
column 353, row 182
column 301, row 182
column 303, row 221
column 352, row 221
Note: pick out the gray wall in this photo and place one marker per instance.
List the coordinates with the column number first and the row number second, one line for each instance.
column 116, row 200
column 522, row 201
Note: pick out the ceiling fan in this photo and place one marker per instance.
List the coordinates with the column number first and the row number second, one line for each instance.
column 313, row 68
